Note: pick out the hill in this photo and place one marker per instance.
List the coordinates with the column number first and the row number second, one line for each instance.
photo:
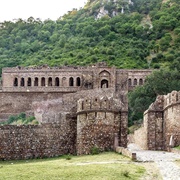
column 124, row 33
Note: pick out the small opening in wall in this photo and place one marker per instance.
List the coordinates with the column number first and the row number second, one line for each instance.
column 78, row 81
column 135, row 82
column 129, row 82
column 22, row 81
column 36, row 81
column 42, row 81
column 71, row 81
column 16, row 82
column 29, row 82
column 82, row 105
column 50, row 81
column 140, row 82
column 104, row 83
column 57, row 81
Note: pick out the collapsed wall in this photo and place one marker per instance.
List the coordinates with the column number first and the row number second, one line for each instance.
column 161, row 124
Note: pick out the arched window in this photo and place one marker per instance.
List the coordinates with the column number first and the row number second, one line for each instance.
column 36, row 81
column 43, row 81
column 50, row 81
column 15, row 81
column 29, row 82
column 22, row 81
column 71, row 81
column 57, row 81
column 129, row 82
column 140, row 81
column 104, row 83
column 135, row 82
column 78, row 81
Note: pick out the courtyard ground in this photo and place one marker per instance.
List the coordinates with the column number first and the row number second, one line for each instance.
column 105, row 166
column 166, row 162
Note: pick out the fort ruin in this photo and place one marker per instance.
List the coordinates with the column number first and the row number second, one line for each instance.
column 78, row 107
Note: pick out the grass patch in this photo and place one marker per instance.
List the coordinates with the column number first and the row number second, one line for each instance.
column 177, row 147
column 105, row 166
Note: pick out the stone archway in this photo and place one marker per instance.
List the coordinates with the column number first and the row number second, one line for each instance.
column 104, row 83
column 104, row 79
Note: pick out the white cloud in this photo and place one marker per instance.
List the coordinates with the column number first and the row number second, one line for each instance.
column 43, row 9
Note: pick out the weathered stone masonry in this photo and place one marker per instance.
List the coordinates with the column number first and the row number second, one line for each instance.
column 161, row 123
column 37, row 141
column 78, row 108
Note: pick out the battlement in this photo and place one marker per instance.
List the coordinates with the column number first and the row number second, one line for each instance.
column 172, row 98
column 99, row 104
column 164, row 101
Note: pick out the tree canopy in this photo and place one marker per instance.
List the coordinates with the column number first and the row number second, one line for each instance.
column 146, row 35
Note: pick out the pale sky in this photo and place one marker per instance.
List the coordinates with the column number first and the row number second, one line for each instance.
column 43, row 9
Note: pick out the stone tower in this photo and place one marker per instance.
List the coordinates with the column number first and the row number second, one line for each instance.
column 98, row 120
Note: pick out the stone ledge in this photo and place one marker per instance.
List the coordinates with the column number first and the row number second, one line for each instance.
column 126, row 152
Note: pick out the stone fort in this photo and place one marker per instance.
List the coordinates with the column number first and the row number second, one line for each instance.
column 78, row 108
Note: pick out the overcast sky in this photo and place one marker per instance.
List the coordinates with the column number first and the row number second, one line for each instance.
column 43, row 9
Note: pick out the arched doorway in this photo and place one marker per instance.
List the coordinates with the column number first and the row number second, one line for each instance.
column 104, row 83
column 104, row 79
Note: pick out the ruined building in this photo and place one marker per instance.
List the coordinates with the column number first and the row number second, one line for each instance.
column 161, row 125
column 78, row 107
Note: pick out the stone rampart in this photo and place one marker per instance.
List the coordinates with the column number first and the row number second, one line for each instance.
column 161, row 125
column 98, row 120
column 37, row 141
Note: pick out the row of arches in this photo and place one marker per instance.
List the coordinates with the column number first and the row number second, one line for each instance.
column 47, row 81
column 135, row 82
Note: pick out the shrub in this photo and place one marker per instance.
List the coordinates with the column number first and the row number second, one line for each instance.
column 95, row 150
column 125, row 173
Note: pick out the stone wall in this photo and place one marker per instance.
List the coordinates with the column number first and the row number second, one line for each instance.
column 161, row 123
column 98, row 120
column 38, row 141
column 16, row 102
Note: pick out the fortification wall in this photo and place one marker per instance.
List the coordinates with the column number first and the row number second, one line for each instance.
column 98, row 120
column 38, row 141
column 161, row 123
column 172, row 119
column 15, row 103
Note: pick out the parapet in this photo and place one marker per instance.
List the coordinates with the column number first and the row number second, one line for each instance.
column 171, row 99
column 103, row 104
column 164, row 101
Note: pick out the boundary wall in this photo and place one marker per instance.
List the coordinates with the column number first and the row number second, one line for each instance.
column 161, row 125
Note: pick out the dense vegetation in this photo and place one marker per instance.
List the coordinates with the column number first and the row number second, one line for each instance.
column 20, row 119
column 145, row 36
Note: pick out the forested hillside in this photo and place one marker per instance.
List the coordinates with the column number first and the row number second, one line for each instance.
column 124, row 33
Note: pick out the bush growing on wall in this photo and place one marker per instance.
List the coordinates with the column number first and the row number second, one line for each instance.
column 20, row 119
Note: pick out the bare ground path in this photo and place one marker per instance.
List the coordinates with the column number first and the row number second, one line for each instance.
column 164, row 161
